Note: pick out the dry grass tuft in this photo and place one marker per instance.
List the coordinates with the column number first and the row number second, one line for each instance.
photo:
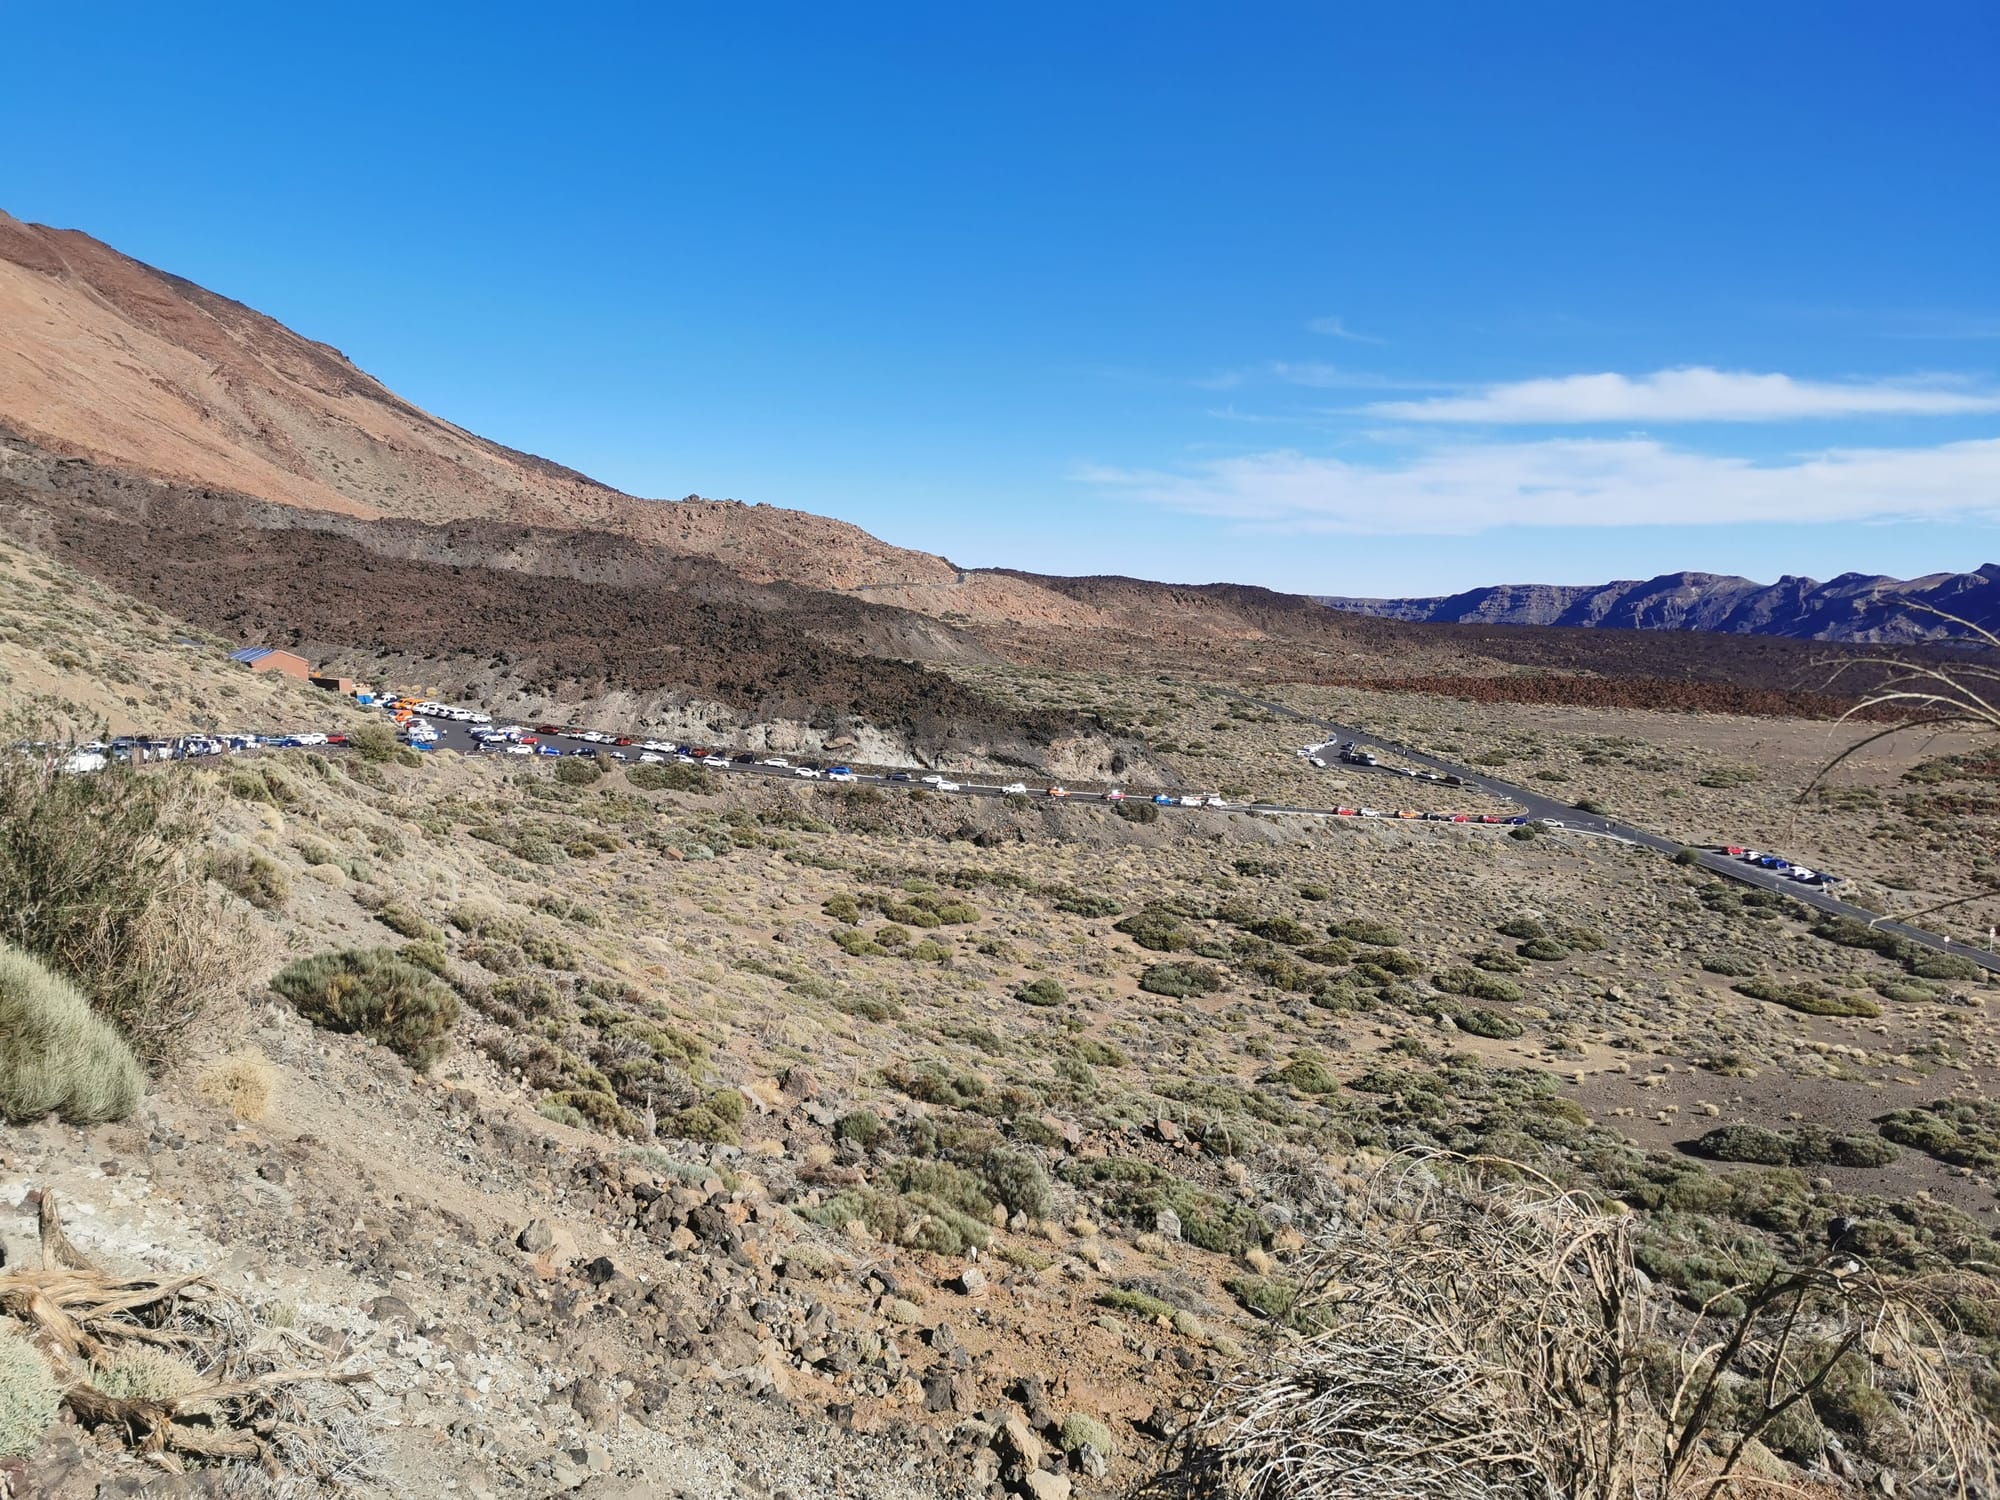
column 1483, row 1334
column 242, row 1083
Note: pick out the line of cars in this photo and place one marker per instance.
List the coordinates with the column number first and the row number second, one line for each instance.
column 1777, row 864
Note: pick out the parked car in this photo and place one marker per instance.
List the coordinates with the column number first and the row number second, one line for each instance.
column 1058, row 791
column 899, row 775
column 1163, row 800
column 806, row 773
column 775, row 760
column 1112, row 794
column 1190, row 802
column 1214, row 799
column 1014, row 789
column 744, row 758
column 949, row 786
column 841, row 773
column 651, row 758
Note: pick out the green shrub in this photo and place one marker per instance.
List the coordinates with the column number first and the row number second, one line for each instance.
column 1081, row 1431
column 1746, row 1143
column 400, row 920
column 257, row 878
column 1125, row 1299
column 578, row 770
column 861, row 1126
column 1476, row 984
column 561, row 1114
column 1272, row 1296
column 869, row 1007
column 1730, row 965
column 428, row 954
column 1809, row 999
column 1522, row 929
column 856, row 943
column 1305, row 1073
column 55, row 1054
column 1928, row 963
column 675, row 778
column 377, row 993
column 1487, row 1023
column 1180, row 981
column 1137, row 812
column 98, row 879
column 1136, row 1191
column 1366, row 930
column 1962, row 1132
column 375, row 743
column 1016, row 1181
column 1043, row 992
column 29, row 1396
column 1685, row 857
column 1543, row 949
column 1160, row 928
column 1315, row 892
column 718, row 1119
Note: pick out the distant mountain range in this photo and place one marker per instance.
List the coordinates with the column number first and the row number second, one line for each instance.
column 1852, row 607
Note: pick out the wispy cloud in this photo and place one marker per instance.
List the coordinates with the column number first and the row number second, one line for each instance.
column 1473, row 488
column 1692, row 394
column 1336, row 328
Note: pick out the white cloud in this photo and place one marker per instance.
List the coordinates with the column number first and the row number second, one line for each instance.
column 1574, row 482
column 1691, row 394
column 1336, row 328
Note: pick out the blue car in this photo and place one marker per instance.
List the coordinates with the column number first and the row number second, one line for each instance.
column 1164, row 800
column 549, row 749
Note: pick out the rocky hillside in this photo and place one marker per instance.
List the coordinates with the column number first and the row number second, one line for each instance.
column 1852, row 607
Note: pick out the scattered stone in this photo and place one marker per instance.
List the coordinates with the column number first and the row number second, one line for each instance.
column 537, row 1239
column 971, row 1282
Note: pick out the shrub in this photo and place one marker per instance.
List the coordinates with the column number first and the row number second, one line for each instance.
column 400, row 920
column 1543, row 950
column 1137, row 812
column 1081, row 1431
column 1179, row 981
column 377, row 993
column 1159, row 928
column 1487, row 1023
column 1730, row 965
column 374, row 742
column 718, row 1119
column 257, row 878
column 1125, row 1299
column 1305, row 1073
column 144, row 1373
column 1928, row 963
column 1809, row 999
column 1042, row 992
column 1746, row 1143
column 1522, row 929
column 1366, row 930
column 1271, row 1296
column 1016, row 1181
column 97, row 880
column 241, row 1083
column 579, row 770
column 1475, row 984
column 562, row 1114
column 650, row 778
column 29, row 1396
column 55, row 1054
column 861, row 1126
column 1962, row 1132
column 1136, row 1191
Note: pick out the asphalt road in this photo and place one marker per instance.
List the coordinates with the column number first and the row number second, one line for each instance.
column 1533, row 804
column 1539, row 806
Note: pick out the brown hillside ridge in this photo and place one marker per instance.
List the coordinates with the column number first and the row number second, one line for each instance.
column 104, row 357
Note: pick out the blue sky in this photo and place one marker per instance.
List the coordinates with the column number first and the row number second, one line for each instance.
column 1338, row 298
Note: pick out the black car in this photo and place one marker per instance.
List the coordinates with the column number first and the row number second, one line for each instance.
column 899, row 776
column 747, row 758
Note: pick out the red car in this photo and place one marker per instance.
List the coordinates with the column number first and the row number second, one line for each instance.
column 336, row 739
column 529, row 739
column 1461, row 818
column 547, row 729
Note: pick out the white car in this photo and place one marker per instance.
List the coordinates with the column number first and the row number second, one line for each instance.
column 948, row 786
column 776, row 760
column 1215, row 801
column 310, row 739
column 932, row 780
column 1014, row 789
column 1114, row 795
column 807, row 773
column 659, row 747
column 648, row 758
column 1190, row 802
column 520, row 749
column 841, row 776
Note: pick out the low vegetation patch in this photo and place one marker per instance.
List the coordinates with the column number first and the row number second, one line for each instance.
column 56, row 1055
column 377, row 993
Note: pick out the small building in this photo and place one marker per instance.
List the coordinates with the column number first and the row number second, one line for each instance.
column 347, row 687
column 269, row 659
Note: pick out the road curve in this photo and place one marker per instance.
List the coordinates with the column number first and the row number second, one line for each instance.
column 1541, row 807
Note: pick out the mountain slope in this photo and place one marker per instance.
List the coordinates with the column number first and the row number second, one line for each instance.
column 1852, row 607
column 106, row 358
